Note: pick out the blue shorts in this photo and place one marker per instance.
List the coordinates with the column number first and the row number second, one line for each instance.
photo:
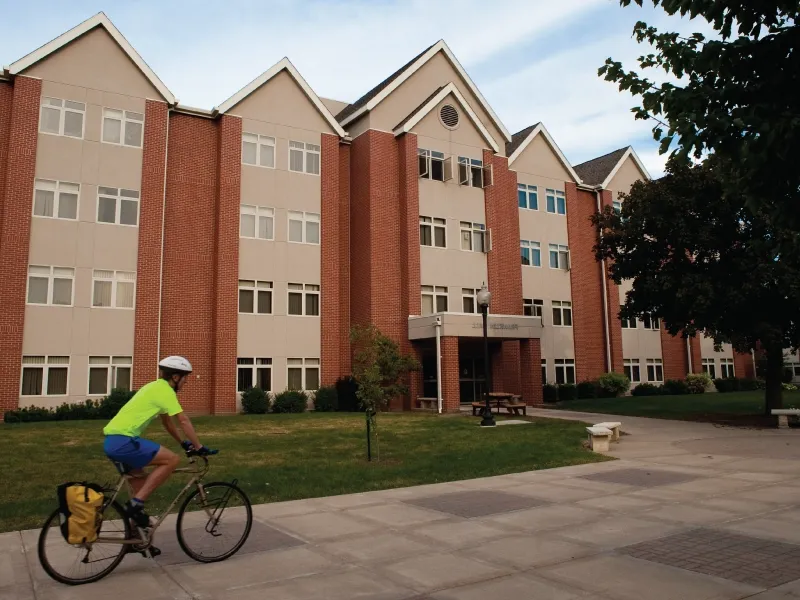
column 132, row 451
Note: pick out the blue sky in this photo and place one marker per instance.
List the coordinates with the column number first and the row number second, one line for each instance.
column 534, row 60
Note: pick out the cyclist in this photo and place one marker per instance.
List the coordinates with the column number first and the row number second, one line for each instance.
column 123, row 444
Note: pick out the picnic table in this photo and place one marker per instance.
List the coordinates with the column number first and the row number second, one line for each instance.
column 500, row 400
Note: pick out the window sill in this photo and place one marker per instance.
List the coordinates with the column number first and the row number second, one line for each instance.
column 272, row 168
column 120, row 145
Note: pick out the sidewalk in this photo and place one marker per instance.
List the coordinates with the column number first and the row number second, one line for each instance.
column 690, row 511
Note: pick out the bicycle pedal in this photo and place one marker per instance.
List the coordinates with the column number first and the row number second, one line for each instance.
column 150, row 552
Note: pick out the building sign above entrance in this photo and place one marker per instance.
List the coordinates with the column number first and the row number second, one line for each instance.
column 512, row 327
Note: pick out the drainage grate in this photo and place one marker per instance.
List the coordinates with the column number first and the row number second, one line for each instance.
column 640, row 477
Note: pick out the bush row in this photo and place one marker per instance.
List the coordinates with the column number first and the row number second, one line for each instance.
column 105, row 408
column 340, row 397
column 736, row 384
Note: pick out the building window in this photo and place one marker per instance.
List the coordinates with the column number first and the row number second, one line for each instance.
column 302, row 374
column 303, row 227
column 62, row 117
column 55, row 199
column 433, row 165
column 710, row 368
column 632, row 370
column 562, row 313
column 473, row 236
column 258, row 150
column 255, row 297
column 123, row 127
column 565, row 370
column 256, row 222
column 471, row 172
column 531, row 253
column 651, row 322
column 469, row 300
column 616, row 206
column 627, row 323
column 304, row 158
column 528, row 196
column 45, row 375
column 559, row 256
column 113, row 289
column 303, row 300
column 253, row 372
column 544, row 371
column 108, row 373
column 726, row 368
column 433, row 232
column 117, row 206
column 50, row 285
column 532, row 308
column 434, row 299
column 556, row 202
column 655, row 370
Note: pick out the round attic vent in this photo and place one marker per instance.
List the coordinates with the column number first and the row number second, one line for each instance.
column 449, row 116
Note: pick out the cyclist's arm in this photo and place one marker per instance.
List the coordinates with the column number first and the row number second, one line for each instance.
column 188, row 429
column 169, row 425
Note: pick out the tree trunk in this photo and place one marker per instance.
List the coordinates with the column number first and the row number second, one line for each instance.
column 773, row 397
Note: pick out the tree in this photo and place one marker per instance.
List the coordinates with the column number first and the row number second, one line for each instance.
column 380, row 370
column 701, row 259
column 731, row 98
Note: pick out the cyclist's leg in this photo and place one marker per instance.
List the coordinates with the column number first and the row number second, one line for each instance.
column 137, row 480
column 165, row 462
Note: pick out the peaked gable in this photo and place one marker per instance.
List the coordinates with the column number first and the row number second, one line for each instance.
column 601, row 170
column 523, row 139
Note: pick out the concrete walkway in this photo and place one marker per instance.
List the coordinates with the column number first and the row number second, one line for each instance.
column 690, row 511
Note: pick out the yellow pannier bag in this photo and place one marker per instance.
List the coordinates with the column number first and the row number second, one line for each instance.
column 80, row 504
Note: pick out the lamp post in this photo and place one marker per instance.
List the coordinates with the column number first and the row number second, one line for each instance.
column 484, row 298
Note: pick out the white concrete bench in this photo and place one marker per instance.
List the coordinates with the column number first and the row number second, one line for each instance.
column 428, row 403
column 783, row 415
column 613, row 426
column 599, row 438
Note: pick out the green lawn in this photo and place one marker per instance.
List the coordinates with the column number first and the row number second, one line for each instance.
column 285, row 457
column 701, row 407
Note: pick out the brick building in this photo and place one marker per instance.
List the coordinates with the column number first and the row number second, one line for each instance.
column 250, row 237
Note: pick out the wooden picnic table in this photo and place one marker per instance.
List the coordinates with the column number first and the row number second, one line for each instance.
column 500, row 401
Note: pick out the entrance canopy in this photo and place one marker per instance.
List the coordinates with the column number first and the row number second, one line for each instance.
column 508, row 327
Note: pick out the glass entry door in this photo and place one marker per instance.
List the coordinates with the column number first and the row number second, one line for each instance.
column 471, row 379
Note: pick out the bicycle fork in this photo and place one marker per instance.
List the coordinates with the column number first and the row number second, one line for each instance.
column 215, row 515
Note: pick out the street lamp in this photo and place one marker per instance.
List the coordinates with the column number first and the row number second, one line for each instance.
column 484, row 298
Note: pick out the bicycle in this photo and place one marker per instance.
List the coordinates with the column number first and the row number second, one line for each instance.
column 114, row 531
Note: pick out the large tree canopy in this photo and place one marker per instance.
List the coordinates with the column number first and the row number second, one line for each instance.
column 733, row 97
column 702, row 260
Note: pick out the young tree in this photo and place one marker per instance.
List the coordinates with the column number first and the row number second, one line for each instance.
column 380, row 370
column 704, row 261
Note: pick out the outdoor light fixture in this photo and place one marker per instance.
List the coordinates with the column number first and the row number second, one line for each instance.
column 484, row 297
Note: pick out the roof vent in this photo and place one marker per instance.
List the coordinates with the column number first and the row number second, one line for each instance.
column 449, row 116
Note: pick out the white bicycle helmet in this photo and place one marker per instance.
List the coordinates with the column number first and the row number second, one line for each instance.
column 175, row 365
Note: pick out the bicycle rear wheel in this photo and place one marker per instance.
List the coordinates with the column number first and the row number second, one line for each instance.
column 75, row 564
column 214, row 522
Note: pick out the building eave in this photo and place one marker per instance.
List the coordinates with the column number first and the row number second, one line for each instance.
column 541, row 129
column 630, row 152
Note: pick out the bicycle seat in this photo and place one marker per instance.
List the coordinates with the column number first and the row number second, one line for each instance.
column 122, row 468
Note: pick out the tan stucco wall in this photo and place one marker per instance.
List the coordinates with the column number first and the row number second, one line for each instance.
column 335, row 106
column 638, row 343
column 627, row 175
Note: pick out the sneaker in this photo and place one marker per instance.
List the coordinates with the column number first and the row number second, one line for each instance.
column 135, row 512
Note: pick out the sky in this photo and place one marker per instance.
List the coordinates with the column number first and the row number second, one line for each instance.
column 533, row 60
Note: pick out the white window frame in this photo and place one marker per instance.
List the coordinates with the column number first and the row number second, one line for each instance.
column 536, row 307
column 257, row 287
column 629, row 364
column 657, row 364
column 562, row 257
column 47, row 102
column 472, row 294
column 49, row 362
column 257, row 364
column 304, row 218
column 259, row 141
column 118, row 197
column 555, row 194
column 533, row 248
column 567, row 366
column 124, row 117
column 477, row 231
column 54, row 272
column 308, row 289
column 710, row 367
column 425, row 160
column 563, row 307
column 467, row 178
column 727, row 369
column 116, row 278
column 627, row 323
column 58, row 188
column 112, row 365
column 616, row 206
column 544, row 371
column 258, row 213
column 651, row 323
column 306, row 148
column 436, row 292
column 304, row 365
column 528, row 190
column 433, row 223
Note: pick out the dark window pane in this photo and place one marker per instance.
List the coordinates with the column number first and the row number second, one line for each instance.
column 423, row 166
column 57, row 381
column 295, row 303
column 312, row 378
column 556, row 316
column 568, row 317
column 245, row 301
column 425, row 235
column 312, row 305
column 439, row 237
column 437, row 170
column 264, row 377
column 98, row 378
column 244, row 380
column 264, row 302
column 123, row 378
column 32, row 381
column 441, row 303
column 295, row 378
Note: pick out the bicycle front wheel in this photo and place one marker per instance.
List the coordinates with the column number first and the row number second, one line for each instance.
column 214, row 522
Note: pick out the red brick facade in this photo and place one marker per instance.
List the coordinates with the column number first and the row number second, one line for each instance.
column 612, row 302
column 450, row 384
column 344, row 259
column 531, row 372
column 331, row 277
column 675, row 355
column 743, row 365
column 697, row 355
column 18, row 140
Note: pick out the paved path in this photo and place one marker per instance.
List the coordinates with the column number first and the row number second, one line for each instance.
column 690, row 511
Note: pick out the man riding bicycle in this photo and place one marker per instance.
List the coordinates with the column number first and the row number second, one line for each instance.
column 123, row 444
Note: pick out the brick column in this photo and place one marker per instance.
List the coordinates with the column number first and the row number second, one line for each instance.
column 612, row 302
column 344, row 259
column 511, row 360
column 530, row 353
column 6, row 106
column 697, row 355
column 743, row 365
column 148, row 258
column 498, row 368
column 15, row 224
column 226, row 264
column 674, row 354
column 451, row 395
column 415, row 384
column 330, row 311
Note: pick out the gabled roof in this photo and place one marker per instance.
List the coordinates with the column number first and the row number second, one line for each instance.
column 380, row 92
column 99, row 20
column 433, row 101
column 521, row 140
column 284, row 64
column 601, row 170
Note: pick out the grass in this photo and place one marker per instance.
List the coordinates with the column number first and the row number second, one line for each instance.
column 286, row 457
column 701, row 407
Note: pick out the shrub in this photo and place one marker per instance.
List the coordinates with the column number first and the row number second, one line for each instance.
column 614, row 384
column 326, row 400
column 550, row 393
column 675, row 387
column 727, row 385
column 29, row 414
column 346, row 388
column 698, row 382
column 290, row 401
column 567, row 391
column 587, row 389
column 255, row 401
column 108, row 407
column 789, row 387
column 646, row 389
column 750, row 385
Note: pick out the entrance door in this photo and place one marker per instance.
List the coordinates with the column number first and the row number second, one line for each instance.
column 471, row 379
column 430, row 388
